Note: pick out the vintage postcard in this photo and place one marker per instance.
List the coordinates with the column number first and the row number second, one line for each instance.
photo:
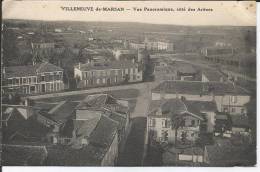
column 128, row 83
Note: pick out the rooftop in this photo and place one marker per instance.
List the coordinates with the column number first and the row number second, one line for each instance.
column 61, row 112
column 17, row 155
column 30, row 70
column 240, row 121
column 184, row 67
column 109, row 65
column 199, row 88
column 100, row 132
column 178, row 106
column 98, row 101
column 224, row 153
column 212, row 75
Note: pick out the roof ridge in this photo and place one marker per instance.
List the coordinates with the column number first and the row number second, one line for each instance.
column 41, row 66
column 117, row 123
column 56, row 107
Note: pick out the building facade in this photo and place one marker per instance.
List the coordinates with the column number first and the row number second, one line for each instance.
column 33, row 79
column 228, row 97
column 171, row 117
column 107, row 74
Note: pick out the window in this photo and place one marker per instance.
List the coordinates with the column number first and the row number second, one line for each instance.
column 225, row 109
column 116, row 72
column 97, row 73
column 58, row 86
column 10, row 81
column 126, row 71
column 104, row 80
column 52, row 77
column 233, row 99
column 131, row 70
column 152, row 122
column 242, row 111
column 98, row 81
column 52, row 87
column 164, row 123
column 192, row 123
column 86, row 74
column 233, row 110
column 32, row 89
column 33, row 79
column 17, row 81
column 42, row 78
column 24, row 80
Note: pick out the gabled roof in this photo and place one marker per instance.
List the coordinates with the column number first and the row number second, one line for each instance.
column 30, row 70
column 172, row 107
column 199, row 88
column 100, row 101
column 47, row 67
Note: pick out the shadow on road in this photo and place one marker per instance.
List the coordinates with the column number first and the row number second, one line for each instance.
column 133, row 153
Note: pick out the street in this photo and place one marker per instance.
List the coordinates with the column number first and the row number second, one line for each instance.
column 134, row 148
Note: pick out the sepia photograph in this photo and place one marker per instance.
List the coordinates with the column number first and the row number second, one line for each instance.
column 128, row 84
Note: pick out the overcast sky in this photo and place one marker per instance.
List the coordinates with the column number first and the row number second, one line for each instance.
column 224, row 13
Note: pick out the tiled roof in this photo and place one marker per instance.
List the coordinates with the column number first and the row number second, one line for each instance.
column 20, row 71
column 60, row 112
column 66, row 156
column 201, row 106
column 197, row 88
column 109, row 65
column 99, row 101
column 30, row 70
column 183, row 67
column 239, row 121
column 212, row 75
column 23, row 155
column 93, row 101
column 172, row 107
column 223, row 153
column 63, row 112
column 104, row 132
column 83, row 128
column 47, row 67
column 100, row 132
